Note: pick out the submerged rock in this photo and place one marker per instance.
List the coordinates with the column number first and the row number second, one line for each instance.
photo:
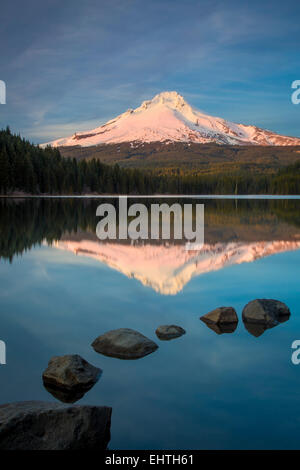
column 167, row 332
column 256, row 329
column 37, row 425
column 64, row 395
column 267, row 312
column 221, row 328
column 124, row 343
column 69, row 377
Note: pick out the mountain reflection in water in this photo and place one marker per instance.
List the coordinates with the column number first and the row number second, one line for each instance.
column 168, row 268
column 235, row 232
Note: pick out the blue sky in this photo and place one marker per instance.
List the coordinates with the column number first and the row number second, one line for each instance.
column 72, row 65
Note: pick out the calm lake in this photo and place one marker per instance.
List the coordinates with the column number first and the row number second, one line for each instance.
column 60, row 288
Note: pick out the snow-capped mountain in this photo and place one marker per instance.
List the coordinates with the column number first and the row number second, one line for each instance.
column 168, row 268
column 169, row 118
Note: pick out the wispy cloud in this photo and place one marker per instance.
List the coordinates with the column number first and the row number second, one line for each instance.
column 85, row 62
column 55, row 131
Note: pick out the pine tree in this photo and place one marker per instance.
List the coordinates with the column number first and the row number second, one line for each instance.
column 4, row 171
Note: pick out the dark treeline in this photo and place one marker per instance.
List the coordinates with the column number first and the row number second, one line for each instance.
column 31, row 169
column 28, row 168
column 25, row 223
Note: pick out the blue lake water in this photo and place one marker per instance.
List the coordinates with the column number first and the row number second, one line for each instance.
column 60, row 288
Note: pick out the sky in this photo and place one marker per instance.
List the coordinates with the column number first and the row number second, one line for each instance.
column 72, row 65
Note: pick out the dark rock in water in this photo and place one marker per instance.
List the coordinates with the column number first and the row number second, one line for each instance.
column 124, row 343
column 68, row 377
column 65, row 395
column 167, row 332
column 256, row 329
column 220, row 315
column 267, row 312
column 221, row 328
column 221, row 320
column 37, row 425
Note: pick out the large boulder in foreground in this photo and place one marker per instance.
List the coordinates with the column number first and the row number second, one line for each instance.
column 267, row 312
column 69, row 377
column 38, row 425
column 124, row 343
column 167, row 332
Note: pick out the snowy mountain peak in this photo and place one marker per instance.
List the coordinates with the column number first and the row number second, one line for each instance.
column 169, row 118
column 170, row 98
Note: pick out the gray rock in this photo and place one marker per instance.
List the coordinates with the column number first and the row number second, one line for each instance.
column 220, row 316
column 267, row 312
column 124, row 343
column 70, row 373
column 167, row 332
column 37, row 425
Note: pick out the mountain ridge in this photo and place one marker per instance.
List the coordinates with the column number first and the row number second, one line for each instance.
column 166, row 118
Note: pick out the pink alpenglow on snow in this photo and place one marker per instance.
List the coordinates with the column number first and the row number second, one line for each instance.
column 168, row 268
column 169, row 118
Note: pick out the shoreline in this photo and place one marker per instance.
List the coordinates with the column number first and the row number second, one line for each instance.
column 153, row 196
